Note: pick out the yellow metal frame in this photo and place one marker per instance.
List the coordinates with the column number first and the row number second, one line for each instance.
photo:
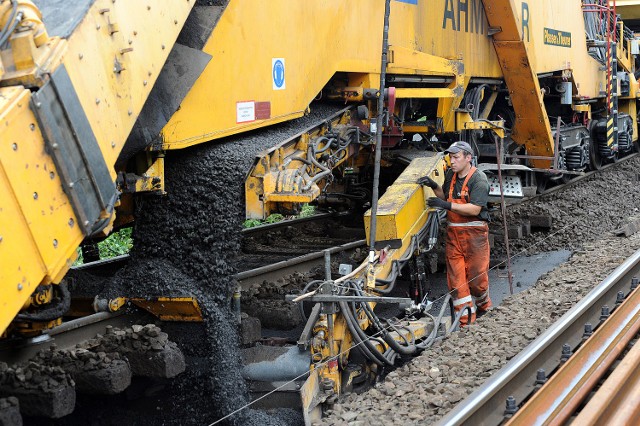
column 401, row 214
column 277, row 178
column 171, row 308
column 39, row 233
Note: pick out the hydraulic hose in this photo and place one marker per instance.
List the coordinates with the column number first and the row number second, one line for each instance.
column 10, row 25
column 311, row 154
column 318, row 141
column 436, row 325
column 391, row 355
column 401, row 349
column 305, row 291
column 371, row 353
column 410, row 349
column 351, row 314
column 456, row 319
column 430, row 229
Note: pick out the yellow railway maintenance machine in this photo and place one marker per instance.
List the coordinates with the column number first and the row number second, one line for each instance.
column 129, row 80
column 555, row 80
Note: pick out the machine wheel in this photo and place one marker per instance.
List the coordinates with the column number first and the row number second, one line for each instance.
column 595, row 160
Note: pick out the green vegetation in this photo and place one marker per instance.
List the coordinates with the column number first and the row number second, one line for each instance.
column 116, row 244
column 306, row 211
column 274, row 218
column 251, row 223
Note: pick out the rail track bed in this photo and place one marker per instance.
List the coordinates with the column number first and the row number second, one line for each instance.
column 552, row 378
column 291, row 239
column 584, row 217
column 298, row 250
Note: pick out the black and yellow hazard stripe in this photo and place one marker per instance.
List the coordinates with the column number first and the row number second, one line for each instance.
column 612, row 98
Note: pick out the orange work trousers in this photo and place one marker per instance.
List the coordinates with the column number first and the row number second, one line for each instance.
column 467, row 253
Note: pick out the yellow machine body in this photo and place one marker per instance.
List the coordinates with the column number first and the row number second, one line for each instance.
column 401, row 210
column 237, row 90
column 259, row 75
column 112, row 59
column 401, row 215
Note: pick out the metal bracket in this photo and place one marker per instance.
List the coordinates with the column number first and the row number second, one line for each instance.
column 71, row 143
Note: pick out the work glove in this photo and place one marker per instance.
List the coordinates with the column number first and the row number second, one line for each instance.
column 438, row 202
column 427, row 181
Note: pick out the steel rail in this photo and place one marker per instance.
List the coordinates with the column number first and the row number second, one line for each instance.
column 618, row 399
column 517, row 378
column 277, row 270
column 69, row 333
column 292, row 222
column 559, row 398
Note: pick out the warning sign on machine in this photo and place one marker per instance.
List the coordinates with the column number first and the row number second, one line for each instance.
column 245, row 111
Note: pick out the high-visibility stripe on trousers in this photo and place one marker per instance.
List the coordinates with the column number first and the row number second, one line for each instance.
column 465, row 304
column 467, row 254
column 483, row 302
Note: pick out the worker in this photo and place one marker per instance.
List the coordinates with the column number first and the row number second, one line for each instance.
column 464, row 195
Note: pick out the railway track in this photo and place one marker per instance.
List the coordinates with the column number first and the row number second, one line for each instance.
column 274, row 242
column 580, row 177
column 290, row 239
column 561, row 375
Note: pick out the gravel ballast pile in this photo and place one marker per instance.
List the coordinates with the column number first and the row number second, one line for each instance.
column 10, row 412
column 147, row 348
column 103, row 373
column 582, row 212
column 185, row 245
column 43, row 390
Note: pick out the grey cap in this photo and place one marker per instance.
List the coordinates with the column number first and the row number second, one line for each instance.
column 459, row 146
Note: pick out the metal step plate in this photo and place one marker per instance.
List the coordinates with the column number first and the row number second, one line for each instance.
column 512, row 186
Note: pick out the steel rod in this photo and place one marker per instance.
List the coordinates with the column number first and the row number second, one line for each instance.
column 296, row 260
column 378, row 156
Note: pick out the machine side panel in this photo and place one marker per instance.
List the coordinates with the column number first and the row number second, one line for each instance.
column 38, row 230
column 555, row 36
column 113, row 60
column 256, row 61
column 248, row 41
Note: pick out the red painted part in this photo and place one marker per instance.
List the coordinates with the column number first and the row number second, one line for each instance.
column 392, row 137
column 391, row 99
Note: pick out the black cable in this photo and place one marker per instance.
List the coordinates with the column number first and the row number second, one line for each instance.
column 305, row 291
column 10, row 28
column 363, row 340
column 6, row 31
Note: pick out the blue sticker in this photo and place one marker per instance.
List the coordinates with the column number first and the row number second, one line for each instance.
column 278, row 74
column 409, row 1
